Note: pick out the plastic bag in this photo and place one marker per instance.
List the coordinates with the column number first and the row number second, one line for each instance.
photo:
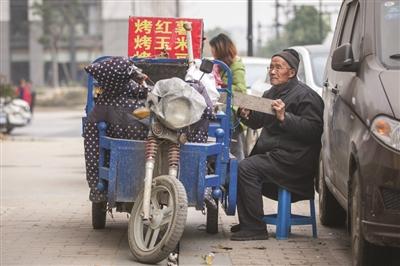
column 207, row 80
column 176, row 103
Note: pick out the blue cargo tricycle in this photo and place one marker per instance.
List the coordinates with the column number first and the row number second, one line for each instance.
column 158, row 187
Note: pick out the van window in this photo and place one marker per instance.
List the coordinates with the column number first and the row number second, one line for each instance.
column 347, row 28
column 388, row 32
column 356, row 35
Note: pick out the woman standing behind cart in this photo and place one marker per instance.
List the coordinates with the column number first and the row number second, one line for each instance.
column 222, row 48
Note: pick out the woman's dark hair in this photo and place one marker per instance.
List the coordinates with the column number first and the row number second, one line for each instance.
column 224, row 48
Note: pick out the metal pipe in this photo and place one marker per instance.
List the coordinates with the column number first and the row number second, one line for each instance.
column 277, row 24
column 151, row 152
column 173, row 160
column 173, row 172
column 249, row 27
column 188, row 28
column 320, row 20
column 177, row 9
column 148, row 179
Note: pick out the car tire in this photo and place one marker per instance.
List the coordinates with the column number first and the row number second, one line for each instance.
column 330, row 211
column 363, row 252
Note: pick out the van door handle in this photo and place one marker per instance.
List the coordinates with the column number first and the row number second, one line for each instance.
column 335, row 90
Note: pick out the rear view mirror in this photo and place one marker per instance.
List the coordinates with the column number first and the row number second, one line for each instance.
column 206, row 66
column 343, row 59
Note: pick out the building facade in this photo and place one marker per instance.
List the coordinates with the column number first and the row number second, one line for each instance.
column 101, row 28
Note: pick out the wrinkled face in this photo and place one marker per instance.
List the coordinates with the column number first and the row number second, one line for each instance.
column 280, row 71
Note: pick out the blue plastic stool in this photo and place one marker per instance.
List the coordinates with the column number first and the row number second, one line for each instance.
column 285, row 219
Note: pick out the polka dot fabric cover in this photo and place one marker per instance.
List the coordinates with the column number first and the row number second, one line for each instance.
column 121, row 95
column 131, row 96
column 114, row 73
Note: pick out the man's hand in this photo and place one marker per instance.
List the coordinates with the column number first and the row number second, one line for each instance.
column 279, row 107
column 244, row 113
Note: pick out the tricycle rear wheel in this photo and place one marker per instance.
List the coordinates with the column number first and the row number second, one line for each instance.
column 152, row 241
column 212, row 219
column 99, row 212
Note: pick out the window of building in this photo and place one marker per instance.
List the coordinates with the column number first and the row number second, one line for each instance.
column 19, row 26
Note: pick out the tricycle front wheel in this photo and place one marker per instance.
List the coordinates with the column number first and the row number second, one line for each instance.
column 152, row 241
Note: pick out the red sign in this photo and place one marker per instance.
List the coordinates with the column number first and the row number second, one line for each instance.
column 151, row 36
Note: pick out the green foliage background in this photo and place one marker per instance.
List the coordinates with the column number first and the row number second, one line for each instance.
column 303, row 29
column 7, row 90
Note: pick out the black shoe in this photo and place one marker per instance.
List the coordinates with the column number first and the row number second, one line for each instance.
column 246, row 235
column 235, row 228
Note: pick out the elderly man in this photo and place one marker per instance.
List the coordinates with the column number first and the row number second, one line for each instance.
column 287, row 152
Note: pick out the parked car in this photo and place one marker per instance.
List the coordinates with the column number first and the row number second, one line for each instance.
column 360, row 166
column 256, row 74
column 13, row 113
column 312, row 64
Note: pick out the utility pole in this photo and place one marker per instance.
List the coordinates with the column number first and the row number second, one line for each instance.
column 320, row 20
column 258, row 37
column 72, row 53
column 288, row 9
column 250, row 27
column 277, row 24
column 177, row 9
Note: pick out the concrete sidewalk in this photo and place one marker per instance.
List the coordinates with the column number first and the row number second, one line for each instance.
column 46, row 220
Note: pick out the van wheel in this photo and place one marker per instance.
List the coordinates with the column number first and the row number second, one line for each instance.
column 330, row 211
column 363, row 252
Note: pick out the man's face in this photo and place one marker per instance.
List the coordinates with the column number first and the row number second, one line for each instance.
column 279, row 71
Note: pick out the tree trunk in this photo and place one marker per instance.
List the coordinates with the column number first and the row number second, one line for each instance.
column 72, row 52
column 54, row 63
column 67, row 73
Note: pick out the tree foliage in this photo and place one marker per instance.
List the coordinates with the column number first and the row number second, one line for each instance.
column 305, row 28
column 273, row 46
column 214, row 32
column 59, row 19
column 7, row 90
column 56, row 16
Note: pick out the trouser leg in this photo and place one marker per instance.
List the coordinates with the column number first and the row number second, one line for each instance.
column 249, row 202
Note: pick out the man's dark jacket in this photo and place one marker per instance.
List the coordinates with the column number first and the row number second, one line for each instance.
column 291, row 148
